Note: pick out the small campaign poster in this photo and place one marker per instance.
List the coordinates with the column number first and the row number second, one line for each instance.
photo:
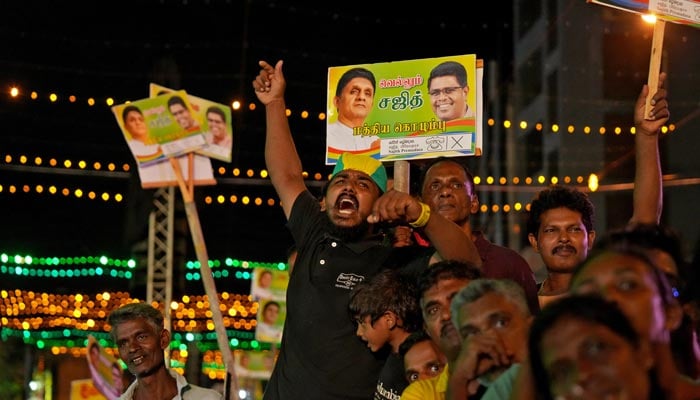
column 105, row 370
column 215, row 119
column 255, row 364
column 405, row 110
column 160, row 128
column 84, row 389
column 270, row 320
column 269, row 283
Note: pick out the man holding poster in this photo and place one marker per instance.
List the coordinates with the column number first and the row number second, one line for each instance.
column 321, row 357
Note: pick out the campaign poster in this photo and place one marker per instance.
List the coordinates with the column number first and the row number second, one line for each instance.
column 270, row 320
column 157, row 129
column 163, row 175
column 215, row 119
column 686, row 12
column 84, row 389
column 269, row 283
column 105, row 370
column 254, row 364
column 405, row 110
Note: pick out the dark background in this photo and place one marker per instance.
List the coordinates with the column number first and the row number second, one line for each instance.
column 209, row 48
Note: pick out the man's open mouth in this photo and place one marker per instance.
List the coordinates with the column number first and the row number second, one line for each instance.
column 346, row 204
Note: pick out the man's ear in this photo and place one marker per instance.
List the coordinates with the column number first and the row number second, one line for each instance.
column 591, row 239
column 322, row 202
column 164, row 339
column 475, row 204
column 533, row 242
column 392, row 320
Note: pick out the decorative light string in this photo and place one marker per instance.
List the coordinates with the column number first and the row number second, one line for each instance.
column 485, row 184
column 261, row 176
column 62, row 322
column 238, row 106
column 91, row 266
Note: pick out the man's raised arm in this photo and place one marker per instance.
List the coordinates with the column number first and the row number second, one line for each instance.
column 281, row 157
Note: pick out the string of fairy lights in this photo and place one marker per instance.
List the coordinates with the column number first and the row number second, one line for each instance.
column 245, row 199
column 61, row 323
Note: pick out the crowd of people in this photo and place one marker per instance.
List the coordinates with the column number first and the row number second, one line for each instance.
column 444, row 313
column 495, row 331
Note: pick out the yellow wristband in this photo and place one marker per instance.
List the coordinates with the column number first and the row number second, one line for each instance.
column 424, row 217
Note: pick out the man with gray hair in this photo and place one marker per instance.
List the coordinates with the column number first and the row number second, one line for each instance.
column 493, row 320
column 141, row 339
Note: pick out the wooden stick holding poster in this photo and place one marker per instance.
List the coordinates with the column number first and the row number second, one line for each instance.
column 657, row 45
column 207, row 277
column 163, row 136
column 402, row 176
column 684, row 12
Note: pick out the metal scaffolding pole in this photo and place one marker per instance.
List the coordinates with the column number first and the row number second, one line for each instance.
column 161, row 230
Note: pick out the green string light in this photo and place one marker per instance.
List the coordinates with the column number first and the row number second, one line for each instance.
column 54, row 267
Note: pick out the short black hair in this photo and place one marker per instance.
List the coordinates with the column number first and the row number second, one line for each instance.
column 446, row 269
column 389, row 290
column 560, row 196
column 352, row 74
column 176, row 100
column 128, row 109
column 271, row 303
column 450, row 68
column 218, row 111
column 413, row 338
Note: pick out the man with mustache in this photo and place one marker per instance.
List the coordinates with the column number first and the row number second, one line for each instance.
column 560, row 223
column 560, row 229
column 337, row 246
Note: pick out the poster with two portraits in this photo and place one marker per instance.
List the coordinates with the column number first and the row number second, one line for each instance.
column 269, row 289
column 193, row 143
column 418, row 109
